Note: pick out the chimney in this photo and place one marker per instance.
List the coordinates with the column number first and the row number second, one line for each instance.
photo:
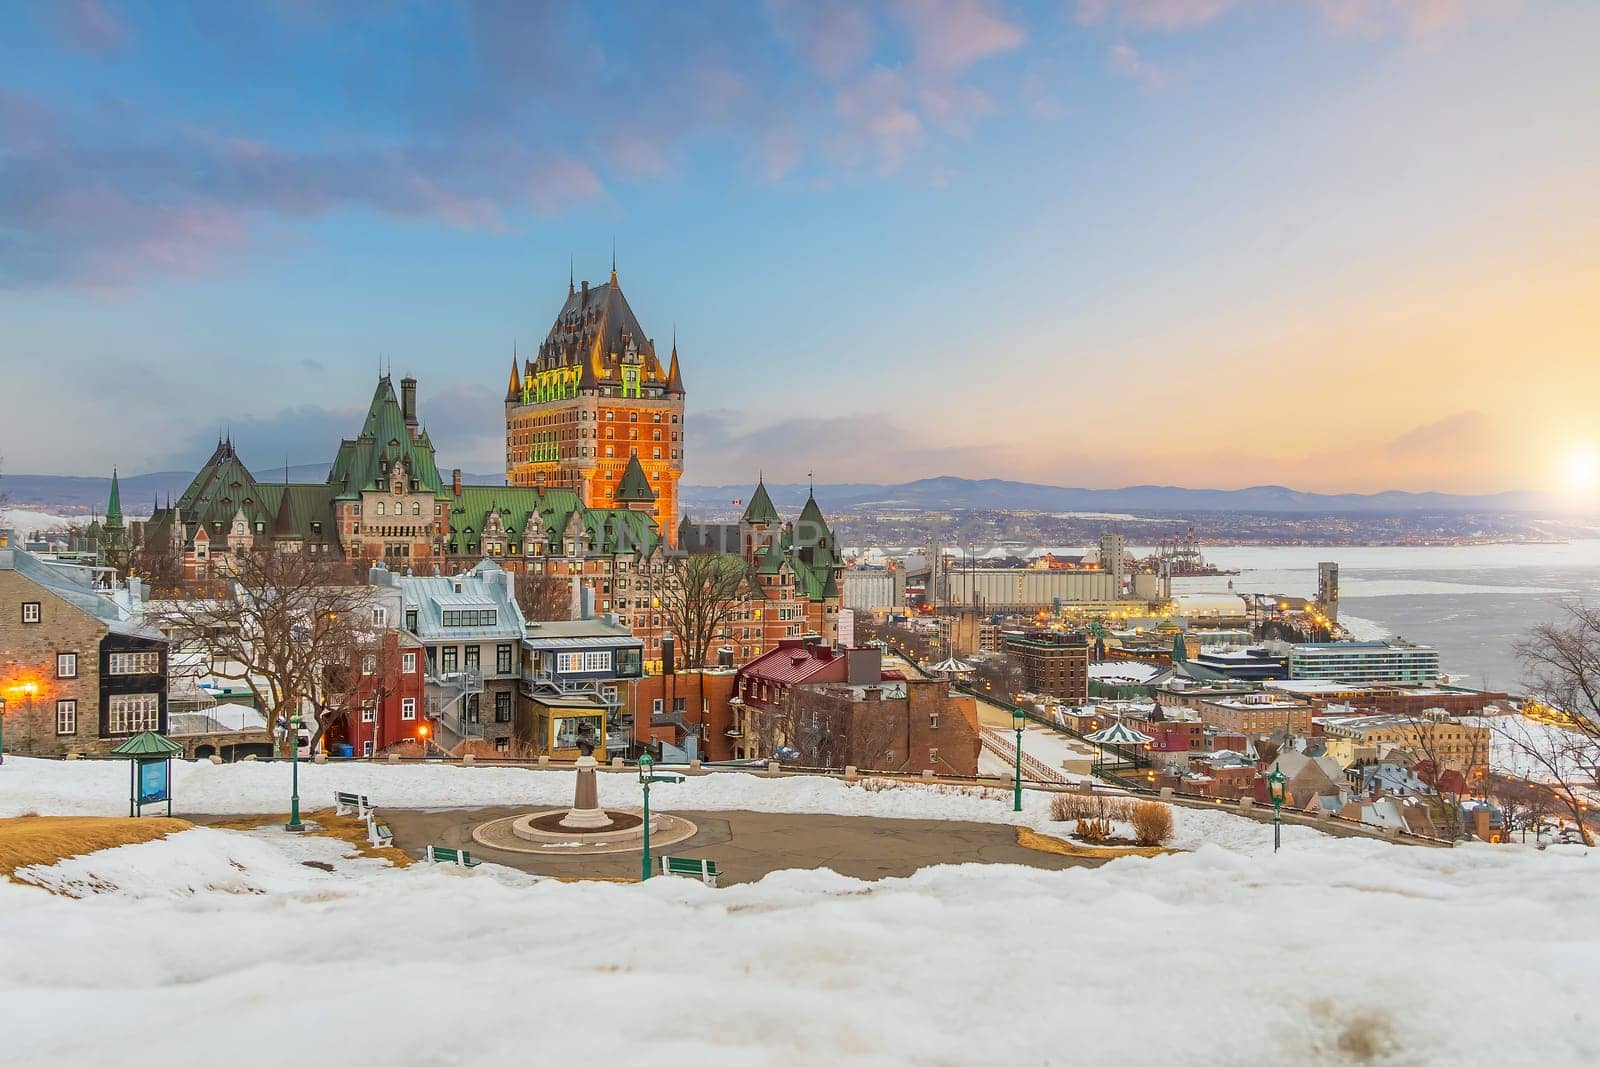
column 455, row 481
column 585, row 301
column 408, row 402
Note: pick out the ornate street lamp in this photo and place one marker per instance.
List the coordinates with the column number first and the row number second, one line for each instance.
column 1018, row 720
column 295, row 826
column 647, row 764
column 1276, row 790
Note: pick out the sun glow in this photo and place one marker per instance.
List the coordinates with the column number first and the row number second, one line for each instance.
column 1580, row 471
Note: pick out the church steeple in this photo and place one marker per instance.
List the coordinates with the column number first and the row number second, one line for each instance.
column 114, row 507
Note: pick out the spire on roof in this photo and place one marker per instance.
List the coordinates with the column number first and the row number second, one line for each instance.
column 514, row 387
column 635, row 487
column 572, row 275
column 674, row 375
column 613, row 261
column 114, row 507
column 760, row 512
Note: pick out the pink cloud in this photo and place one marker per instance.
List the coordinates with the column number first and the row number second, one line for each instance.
column 1154, row 14
column 1126, row 61
column 951, row 35
column 90, row 26
column 875, row 115
column 834, row 37
column 1417, row 16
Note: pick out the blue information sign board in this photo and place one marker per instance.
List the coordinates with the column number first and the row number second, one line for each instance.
column 152, row 781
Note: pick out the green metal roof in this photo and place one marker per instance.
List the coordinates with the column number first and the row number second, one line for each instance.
column 760, row 511
column 148, row 743
column 635, row 487
column 363, row 464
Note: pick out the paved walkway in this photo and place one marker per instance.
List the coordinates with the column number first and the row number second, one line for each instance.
column 748, row 845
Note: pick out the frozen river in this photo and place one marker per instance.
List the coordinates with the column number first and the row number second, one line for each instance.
column 1472, row 602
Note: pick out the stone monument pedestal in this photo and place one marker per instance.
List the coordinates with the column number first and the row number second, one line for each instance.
column 586, row 813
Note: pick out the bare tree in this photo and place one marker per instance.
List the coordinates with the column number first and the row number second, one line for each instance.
column 542, row 596
column 699, row 594
column 362, row 669
column 1562, row 660
column 827, row 729
column 1449, row 755
column 1563, row 760
column 284, row 629
column 153, row 559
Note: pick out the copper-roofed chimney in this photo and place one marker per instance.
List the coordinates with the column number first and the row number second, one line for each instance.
column 408, row 402
column 455, row 481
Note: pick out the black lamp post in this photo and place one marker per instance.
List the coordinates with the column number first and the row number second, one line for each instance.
column 1276, row 783
column 1018, row 720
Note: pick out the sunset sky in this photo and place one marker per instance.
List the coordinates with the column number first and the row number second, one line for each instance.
column 1332, row 244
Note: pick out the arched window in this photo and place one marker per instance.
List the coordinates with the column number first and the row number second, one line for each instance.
column 416, row 508
column 380, row 507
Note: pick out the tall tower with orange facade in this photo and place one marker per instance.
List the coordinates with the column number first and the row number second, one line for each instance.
column 594, row 396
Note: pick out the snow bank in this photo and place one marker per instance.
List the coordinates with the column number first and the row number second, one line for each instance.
column 1353, row 951
column 100, row 787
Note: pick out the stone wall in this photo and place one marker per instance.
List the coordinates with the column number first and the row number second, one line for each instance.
column 28, row 658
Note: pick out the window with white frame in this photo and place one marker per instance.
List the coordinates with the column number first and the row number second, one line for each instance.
column 408, row 708
column 380, row 617
column 66, row 717
column 597, row 661
column 369, row 664
column 569, row 662
column 369, row 711
column 66, row 664
column 408, row 663
column 366, row 748
column 134, row 663
column 656, row 705
column 30, row 611
column 131, row 713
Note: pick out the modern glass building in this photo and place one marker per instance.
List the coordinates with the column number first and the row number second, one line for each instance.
column 1365, row 661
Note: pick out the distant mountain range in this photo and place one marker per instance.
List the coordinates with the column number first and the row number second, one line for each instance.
column 73, row 495
column 948, row 493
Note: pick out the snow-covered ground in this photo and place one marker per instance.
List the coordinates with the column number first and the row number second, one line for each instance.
column 100, row 787
column 215, row 944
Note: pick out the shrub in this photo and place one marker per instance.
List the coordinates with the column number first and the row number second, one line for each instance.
column 1066, row 807
column 1152, row 823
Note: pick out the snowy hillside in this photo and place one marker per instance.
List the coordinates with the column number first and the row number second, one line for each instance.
column 268, row 948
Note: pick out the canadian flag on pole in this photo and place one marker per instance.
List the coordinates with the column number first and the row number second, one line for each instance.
column 736, row 503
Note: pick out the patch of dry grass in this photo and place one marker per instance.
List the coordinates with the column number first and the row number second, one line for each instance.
column 1045, row 843
column 347, row 828
column 39, row 839
column 353, row 832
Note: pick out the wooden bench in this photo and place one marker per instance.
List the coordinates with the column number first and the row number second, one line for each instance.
column 351, row 803
column 458, row 856
column 705, row 870
column 380, row 835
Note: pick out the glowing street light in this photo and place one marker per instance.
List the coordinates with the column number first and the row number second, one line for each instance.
column 1277, row 790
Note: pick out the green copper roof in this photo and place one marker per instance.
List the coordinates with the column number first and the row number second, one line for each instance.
column 613, row 530
column 114, row 508
column 148, row 743
column 635, row 487
column 760, row 512
column 1180, row 651
column 364, row 463
column 517, row 506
